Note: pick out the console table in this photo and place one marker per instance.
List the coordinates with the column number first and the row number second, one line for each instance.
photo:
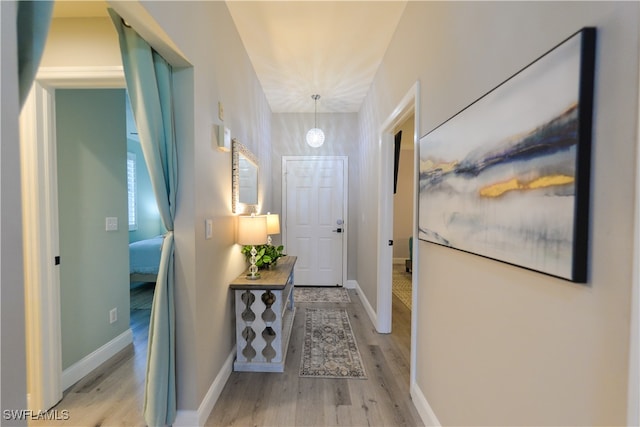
column 264, row 317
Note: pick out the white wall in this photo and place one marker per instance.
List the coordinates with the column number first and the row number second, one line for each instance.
column 497, row 344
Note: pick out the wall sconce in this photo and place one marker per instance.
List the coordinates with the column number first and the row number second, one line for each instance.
column 252, row 230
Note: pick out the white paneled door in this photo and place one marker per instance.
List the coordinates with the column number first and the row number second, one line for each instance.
column 314, row 210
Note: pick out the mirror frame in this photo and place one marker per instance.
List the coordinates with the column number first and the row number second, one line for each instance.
column 236, row 149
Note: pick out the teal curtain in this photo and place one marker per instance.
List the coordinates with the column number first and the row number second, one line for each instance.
column 149, row 84
column 34, row 18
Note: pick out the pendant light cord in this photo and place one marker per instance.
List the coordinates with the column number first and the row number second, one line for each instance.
column 315, row 110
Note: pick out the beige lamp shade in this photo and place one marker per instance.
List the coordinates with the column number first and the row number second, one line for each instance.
column 252, row 230
column 273, row 223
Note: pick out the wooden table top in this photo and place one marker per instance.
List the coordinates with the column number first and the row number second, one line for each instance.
column 273, row 279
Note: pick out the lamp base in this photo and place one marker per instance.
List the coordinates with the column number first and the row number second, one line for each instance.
column 253, row 273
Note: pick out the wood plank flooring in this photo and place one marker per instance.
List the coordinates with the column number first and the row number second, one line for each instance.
column 112, row 395
column 284, row 399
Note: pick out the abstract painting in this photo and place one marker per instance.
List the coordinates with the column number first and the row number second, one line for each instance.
column 508, row 177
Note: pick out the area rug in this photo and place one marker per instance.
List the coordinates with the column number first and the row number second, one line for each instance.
column 329, row 347
column 401, row 286
column 321, row 295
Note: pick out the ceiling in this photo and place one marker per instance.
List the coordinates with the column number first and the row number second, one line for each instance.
column 330, row 48
column 301, row 48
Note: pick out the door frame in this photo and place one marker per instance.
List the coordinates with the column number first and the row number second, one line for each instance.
column 633, row 387
column 410, row 104
column 345, row 201
column 40, row 224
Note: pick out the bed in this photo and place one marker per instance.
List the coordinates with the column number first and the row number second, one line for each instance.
column 144, row 259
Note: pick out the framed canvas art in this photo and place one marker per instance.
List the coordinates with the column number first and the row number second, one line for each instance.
column 508, row 177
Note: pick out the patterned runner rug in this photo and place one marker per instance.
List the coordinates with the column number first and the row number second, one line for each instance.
column 401, row 286
column 329, row 347
column 320, row 295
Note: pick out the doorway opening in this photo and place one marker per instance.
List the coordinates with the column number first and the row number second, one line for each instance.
column 46, row 378
column 407, row 111
column 403, row 201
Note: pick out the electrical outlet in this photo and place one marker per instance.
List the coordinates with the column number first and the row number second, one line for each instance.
column 113, row 315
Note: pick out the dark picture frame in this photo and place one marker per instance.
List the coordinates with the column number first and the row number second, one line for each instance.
column 508, row 177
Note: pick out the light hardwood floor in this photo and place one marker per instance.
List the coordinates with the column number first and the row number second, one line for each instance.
column 113, row 394
column 285, row 399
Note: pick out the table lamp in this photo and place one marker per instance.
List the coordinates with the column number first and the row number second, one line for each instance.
column 273, row 225
column 252, row 230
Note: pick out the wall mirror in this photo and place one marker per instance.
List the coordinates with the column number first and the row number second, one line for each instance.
column 244, row 179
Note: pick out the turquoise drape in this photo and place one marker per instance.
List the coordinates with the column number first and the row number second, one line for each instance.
column 149, row 84
column 34, row 18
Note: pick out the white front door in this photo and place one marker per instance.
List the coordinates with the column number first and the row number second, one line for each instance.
column 314, row 211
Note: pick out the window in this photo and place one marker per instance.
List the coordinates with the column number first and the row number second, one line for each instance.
column 132, row 190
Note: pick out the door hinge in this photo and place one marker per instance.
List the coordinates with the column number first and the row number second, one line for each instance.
column 56, row 260
column 390, row 242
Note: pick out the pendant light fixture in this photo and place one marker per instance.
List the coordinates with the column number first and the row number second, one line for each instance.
column 315, row 136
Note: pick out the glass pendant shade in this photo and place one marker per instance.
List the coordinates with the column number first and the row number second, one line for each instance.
column 315, row 137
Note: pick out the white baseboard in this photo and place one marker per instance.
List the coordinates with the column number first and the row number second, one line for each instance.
column 424, row 409
column 365, row 302
column 351, row 284
column 84, row 366
column 199, row 417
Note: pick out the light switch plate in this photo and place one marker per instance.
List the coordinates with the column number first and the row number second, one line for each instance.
column 111, row 223
column 208, row 229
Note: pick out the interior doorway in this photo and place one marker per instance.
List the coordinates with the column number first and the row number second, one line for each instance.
column 403, row 200
column 408, row 107
column 44, row 366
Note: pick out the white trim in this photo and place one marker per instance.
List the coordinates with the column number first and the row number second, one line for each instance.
column 199, row 417
column 351, row 284
column 633, row 387
column 345, row 201
column 410, row 104
column 407, row 106
column 415, row 264
column 84, row 366
column 385, row 230
column 42, row 276
column 82, row 77
column 365, row 302
column 422, row 406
